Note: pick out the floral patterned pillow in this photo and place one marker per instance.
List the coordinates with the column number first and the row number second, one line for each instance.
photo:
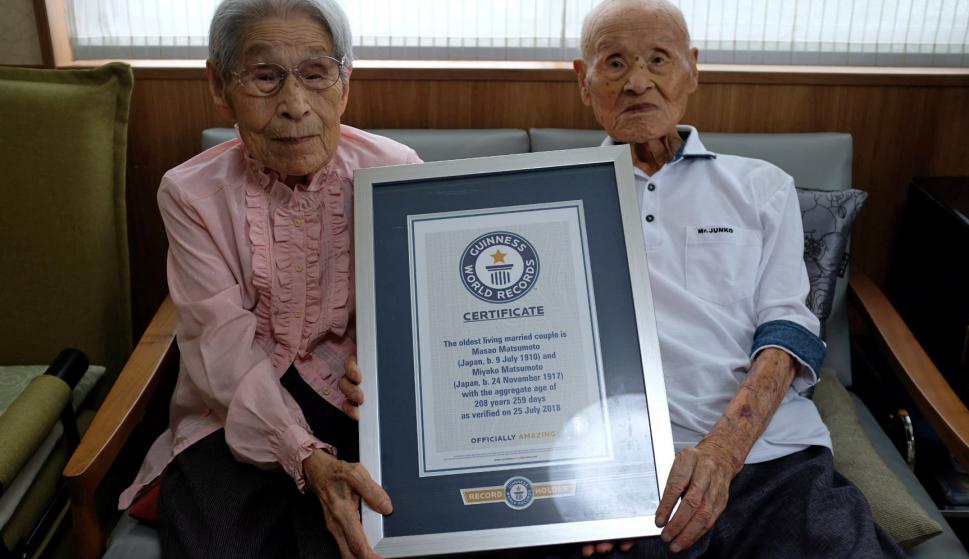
column 827, row 217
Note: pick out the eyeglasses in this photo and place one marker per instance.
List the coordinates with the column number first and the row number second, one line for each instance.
column 264, row 79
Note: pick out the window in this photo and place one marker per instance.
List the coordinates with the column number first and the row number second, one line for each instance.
column 817, row 32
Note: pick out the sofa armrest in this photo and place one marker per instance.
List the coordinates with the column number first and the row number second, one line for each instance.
column 115, row 420
column 946, row 413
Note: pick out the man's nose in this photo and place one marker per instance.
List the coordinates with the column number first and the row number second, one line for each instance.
column 293, row 99
column 640, row 79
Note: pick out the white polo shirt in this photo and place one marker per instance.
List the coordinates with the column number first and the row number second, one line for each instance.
column 724, row 244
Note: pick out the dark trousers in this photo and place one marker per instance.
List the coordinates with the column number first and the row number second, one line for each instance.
column 213, row 506
column 794, row 507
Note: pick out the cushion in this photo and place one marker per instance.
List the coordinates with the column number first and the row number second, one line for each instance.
column 131, row 539
column 13, row 381
column 892, row 506
column 430, row 145
column 212, row 137
column 548, row 139
column 815, row 160
column 827, row 217
column 63, row 228
column 145, row 507
column 441, row 145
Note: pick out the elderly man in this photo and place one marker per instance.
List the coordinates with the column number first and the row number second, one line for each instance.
column 753, row 475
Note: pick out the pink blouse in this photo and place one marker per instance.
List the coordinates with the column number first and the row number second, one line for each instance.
column 262, row 277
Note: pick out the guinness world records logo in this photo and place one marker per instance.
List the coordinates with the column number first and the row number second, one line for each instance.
column 518, row 492
column 499, row 267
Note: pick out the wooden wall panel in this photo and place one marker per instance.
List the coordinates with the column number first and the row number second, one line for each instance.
column 949, row 154
column 167, row 117
column 474, row 104
column 912, row 127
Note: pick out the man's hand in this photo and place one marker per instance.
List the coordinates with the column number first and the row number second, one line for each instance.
column 701, row 477
column 339, row 486
column 350, row 386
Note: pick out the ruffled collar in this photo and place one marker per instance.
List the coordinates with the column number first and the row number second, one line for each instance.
column 285, row 334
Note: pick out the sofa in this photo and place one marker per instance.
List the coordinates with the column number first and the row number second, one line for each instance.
column 820, row 161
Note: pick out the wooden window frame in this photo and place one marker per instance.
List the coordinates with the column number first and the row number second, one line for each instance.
column 56, row 49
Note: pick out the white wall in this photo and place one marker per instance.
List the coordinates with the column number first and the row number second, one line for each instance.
column 18, row 33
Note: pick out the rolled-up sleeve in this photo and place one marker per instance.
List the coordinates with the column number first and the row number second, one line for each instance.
column 216, row 338
column 783, row 320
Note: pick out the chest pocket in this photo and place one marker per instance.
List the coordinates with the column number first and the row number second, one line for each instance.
column 722, row 262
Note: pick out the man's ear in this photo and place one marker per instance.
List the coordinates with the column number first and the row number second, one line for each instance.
column 580, row 73
column 217, row 90
column 694, row 69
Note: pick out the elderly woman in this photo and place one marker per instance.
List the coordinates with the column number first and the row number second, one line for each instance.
column 257, row 461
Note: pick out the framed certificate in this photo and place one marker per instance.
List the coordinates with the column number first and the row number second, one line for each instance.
column 514, row 390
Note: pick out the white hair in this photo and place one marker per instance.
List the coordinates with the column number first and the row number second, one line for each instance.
column 592, row 18
column 232, row 17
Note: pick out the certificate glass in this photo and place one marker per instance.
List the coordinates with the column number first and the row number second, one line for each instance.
column 514, row 389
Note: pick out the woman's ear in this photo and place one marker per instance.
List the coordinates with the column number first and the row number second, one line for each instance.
column 580, row 73
column 218, row 91
column 345, row 96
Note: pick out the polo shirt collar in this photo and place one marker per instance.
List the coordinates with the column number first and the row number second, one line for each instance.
column 692, row 147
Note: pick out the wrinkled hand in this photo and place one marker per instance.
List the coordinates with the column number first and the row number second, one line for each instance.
column 350, row 386
column 589, row 549
column 339, row 486
column 701, row 477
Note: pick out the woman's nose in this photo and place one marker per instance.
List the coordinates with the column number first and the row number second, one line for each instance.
column 293, row 99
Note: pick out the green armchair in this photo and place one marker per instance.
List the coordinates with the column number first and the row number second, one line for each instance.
column 63, row 280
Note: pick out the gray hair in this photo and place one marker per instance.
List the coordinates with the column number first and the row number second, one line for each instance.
column 232, row 17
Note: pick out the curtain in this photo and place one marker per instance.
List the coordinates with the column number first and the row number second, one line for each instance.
column 817, row 32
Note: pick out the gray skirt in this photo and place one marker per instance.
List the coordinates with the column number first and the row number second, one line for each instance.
column 213, row 506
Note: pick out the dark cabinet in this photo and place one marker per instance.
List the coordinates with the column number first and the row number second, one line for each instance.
column 931, row 285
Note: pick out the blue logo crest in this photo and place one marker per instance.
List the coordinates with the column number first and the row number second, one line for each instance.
column 518, row 493
column 499, row 267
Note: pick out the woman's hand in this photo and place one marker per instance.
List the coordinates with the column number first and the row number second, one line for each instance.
column 590, row 549
column 350, row 386
column 339, row 486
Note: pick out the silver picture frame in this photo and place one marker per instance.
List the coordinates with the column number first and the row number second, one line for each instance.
column 436, row 539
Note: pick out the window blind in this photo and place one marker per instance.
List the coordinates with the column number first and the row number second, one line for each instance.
column 816, row 32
